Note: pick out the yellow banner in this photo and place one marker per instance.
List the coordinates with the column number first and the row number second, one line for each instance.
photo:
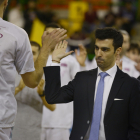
column 37, row 31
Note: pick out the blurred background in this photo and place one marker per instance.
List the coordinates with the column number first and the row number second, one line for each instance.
column 79, row 17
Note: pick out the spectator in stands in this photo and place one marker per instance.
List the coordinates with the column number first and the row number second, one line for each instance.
column 29, row 15
column 16, row 17
column 90, row 18
column 128, row 14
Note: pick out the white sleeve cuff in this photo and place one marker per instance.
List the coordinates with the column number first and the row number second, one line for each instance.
column 55, row 64
column 83, row 68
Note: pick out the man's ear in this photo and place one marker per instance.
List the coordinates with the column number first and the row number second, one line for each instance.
column 118, row 51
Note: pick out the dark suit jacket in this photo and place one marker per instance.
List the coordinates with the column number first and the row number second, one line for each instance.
column 122, row 117
column 139, row 78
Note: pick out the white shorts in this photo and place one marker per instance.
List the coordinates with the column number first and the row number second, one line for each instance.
column 5, row 133
column 55, row 134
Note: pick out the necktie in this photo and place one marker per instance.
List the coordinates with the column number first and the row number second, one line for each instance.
column 95, row 126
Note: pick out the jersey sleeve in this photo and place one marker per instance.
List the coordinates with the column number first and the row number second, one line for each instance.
column 24, row 57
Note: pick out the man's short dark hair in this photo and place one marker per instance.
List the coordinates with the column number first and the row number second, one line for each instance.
column 134, row 46
column 110, row 33
column 52, row 25
column 1, row 1
column 33, row 43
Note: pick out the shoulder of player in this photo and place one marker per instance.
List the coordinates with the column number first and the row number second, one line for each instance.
column 17, row 31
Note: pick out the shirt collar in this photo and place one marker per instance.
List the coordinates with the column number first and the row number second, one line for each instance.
column 111, row 72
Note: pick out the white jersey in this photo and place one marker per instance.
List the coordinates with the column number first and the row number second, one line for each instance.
column 62, row 116
column 15, row 54
column 128, row 66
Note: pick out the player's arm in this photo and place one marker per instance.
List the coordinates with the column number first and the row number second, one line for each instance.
column 49, row 40
column 40, row 90
column 20, row 87
column 53, row 91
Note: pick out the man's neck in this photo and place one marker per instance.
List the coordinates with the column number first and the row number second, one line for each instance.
column 107, row 68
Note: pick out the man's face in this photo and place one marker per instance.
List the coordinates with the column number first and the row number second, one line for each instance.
column 133, row 55
column 104, row 52
column 35, row 52
column 126, row 43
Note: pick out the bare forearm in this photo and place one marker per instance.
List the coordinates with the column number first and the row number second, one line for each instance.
column 51, row 107
column 32, row 79
column 39, row 64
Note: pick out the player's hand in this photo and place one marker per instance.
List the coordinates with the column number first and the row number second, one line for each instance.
column 81, row 57
column 49, row 40
column 119, row 62
column 40, row 87
column 60, row 51
column 20, row 87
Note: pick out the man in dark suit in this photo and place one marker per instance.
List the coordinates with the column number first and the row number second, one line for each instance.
column 106, row 100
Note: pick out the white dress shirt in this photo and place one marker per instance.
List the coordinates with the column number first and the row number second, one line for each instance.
column 107, row 87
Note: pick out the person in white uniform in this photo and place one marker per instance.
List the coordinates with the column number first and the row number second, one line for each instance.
column 128, row 65
column 131, row 61
column 29, row 104
column 16, row 54
column 56, row 124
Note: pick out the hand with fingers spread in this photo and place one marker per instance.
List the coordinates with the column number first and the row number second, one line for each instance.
column 60, row 51
column 81, row 57
column 49, row 40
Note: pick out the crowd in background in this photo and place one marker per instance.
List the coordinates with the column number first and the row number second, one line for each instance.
column 129, row 61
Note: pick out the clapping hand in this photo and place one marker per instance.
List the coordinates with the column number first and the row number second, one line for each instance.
column 60, row 51
column 81, row 57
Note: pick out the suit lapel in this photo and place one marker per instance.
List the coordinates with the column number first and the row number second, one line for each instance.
column 118, row 82
column 91, row 89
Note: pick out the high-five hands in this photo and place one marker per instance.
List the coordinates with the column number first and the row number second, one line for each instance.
column 49, row 40
column 81, row 57
column 60, row 51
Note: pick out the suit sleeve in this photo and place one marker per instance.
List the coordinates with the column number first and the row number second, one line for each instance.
column 54, row 93
column 134, row 113
column 138, row 78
